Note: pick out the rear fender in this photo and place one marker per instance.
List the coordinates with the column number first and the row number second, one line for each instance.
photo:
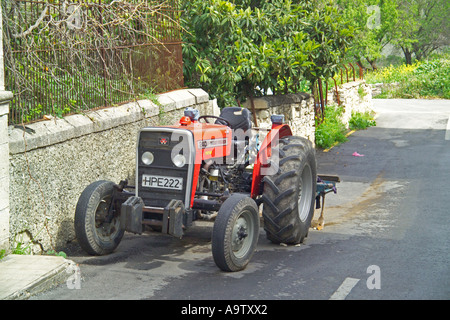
column 266, row 163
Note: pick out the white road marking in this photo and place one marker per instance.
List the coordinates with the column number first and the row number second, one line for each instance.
column 342, row 292
column 447, row 132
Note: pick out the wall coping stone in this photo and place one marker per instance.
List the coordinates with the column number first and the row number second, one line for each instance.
column 351, row 84
column 5, row 97
column 266, row 102
column 44, row 133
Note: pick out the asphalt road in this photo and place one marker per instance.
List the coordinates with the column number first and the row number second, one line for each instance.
column 386, row 232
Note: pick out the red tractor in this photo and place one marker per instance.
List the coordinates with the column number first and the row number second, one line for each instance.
column 208, row 167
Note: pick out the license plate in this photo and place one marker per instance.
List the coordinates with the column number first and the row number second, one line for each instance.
column 162, row 182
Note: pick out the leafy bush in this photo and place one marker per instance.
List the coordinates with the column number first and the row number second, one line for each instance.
column 332, row 130
column 239, row 49
column 361, row 121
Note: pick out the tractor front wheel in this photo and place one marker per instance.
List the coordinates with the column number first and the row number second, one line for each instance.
column 97, row 229
column 235, row 233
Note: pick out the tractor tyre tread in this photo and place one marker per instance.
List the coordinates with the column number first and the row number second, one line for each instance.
column 84, row 221
column 281, row 191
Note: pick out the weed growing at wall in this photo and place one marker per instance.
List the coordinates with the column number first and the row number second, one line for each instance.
column 361, row 121
column 332, row 129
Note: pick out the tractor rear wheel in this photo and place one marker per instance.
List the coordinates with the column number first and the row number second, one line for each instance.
column 288, row 196
column 235, row 233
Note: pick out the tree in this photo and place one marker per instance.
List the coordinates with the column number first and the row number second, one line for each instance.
column 327, row 28
column 240, row 49
column 331, row 35
column 374, row 22
column 423, row 27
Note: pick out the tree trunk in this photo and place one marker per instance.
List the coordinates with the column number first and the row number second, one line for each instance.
column 408, row 55
column 359, row 62
column 322, row 106
column 372, row 63
column 315, row 94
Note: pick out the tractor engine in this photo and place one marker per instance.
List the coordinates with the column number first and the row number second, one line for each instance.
column 233, row 175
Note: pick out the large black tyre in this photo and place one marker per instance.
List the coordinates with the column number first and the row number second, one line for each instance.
column 235, row 233
column 95, row 235
column 288, row 196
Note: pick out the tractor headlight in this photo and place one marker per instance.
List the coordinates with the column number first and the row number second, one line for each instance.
column 147, row 158
column 179, row 160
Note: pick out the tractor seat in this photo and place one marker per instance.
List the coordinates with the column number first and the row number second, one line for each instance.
column 239, row 118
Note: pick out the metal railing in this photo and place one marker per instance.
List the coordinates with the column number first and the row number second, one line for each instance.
column 69, row 56
column 321, row 96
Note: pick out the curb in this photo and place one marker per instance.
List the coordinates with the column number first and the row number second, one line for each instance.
column 27, row 282
column 336, row 143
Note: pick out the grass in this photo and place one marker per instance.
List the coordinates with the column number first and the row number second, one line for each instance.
column 333, row 131
column 422, row 80
column 361, row 121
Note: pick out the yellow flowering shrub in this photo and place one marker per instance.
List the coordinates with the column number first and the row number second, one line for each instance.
column 422, row 79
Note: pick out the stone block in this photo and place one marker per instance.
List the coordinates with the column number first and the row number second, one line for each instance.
column 259, row 104
column 4, row 160
column 4, row 228
column 82, row 124
column 27, row 138
column 214, row 107
column 4, row 192
column 3, row 129
column 200, row 95
column 16, row 142
column 182, row 99
column 59, row 130
column 276, row 101
column 166, row 102
column 264, row 115
column 105, row 119
column 4, row 109
column 5, row 97
column 147, row 108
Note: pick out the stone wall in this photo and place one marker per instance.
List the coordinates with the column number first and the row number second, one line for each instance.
column 298, row 110
column 378, row 88
column 51, row 162
column 355, row 96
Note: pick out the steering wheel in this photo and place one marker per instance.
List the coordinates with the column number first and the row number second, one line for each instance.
column 217, row 118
